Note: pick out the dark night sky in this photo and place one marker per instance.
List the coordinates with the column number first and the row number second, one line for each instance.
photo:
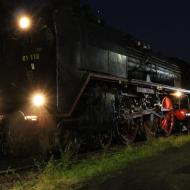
column 163, row 23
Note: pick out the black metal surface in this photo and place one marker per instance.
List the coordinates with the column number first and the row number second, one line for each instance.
column 83, row 46
column 67, row 59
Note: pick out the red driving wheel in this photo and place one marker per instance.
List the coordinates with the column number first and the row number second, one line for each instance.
column 167, row 123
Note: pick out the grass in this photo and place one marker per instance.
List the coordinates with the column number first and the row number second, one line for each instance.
column 64, row 175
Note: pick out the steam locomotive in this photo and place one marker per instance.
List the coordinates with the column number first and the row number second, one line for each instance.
column 63, row 68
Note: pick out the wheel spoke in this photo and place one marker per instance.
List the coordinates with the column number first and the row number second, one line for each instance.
column 167, row 123
column 127, row 131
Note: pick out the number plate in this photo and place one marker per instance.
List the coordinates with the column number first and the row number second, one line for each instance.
column 145, row 90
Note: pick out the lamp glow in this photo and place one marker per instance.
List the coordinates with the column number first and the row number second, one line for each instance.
column 24, row 22
column 38, row 100
column 178, row 94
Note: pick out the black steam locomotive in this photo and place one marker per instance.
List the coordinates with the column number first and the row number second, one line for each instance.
column 62, row 67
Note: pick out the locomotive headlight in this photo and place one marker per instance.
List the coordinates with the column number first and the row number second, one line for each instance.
column 38, row 100
column 178, row 94
column 24, row 22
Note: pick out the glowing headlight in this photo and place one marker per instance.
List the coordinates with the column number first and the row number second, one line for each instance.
column 178, row 94
column 39, row 100
column 24, row 22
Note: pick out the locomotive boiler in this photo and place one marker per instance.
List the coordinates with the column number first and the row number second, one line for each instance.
column 63, row 68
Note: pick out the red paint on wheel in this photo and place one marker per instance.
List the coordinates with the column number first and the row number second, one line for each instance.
column 167, row 103
column 181, row 114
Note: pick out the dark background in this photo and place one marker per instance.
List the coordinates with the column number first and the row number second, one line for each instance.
column 165, row 24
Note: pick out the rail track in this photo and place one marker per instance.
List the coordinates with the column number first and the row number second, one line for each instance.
column 16, row 170
column 8, row 167
column 11, row 166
